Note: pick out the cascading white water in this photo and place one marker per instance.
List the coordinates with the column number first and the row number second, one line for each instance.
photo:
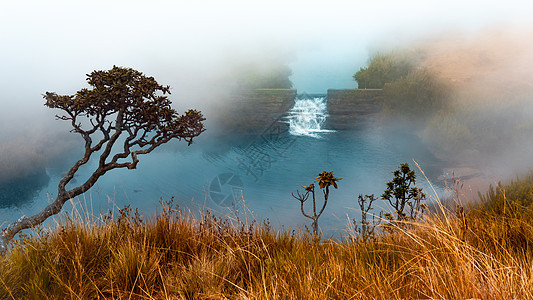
column 307, row 116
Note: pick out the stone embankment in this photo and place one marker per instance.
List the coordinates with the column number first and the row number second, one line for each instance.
column 253, row 111
column 352, row 108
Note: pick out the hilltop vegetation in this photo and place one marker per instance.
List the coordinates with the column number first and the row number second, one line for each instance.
column 411, row 92
column 385, row 68
column 275, row 76
column 468, row 99
column 268, row 71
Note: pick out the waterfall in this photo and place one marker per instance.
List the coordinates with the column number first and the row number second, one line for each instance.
column 307, row 116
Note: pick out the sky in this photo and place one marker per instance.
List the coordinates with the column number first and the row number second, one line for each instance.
column 51, row 45
column 191, row 45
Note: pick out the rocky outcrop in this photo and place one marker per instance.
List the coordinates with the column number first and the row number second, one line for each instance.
column 352, row 108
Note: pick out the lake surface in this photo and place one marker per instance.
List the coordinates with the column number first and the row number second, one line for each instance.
column 260, row 171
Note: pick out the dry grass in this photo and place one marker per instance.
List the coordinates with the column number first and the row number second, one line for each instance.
column 178, row 256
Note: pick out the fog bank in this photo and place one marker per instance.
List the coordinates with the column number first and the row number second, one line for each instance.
column 490, row 125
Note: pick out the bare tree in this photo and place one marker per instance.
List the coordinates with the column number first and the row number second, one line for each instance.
column 367, row 229
column 128, row 115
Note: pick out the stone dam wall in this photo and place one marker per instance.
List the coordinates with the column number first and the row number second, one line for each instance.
column 353, row 108
column 254, row 111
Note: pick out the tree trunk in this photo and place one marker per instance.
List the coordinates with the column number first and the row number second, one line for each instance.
column 27, row 222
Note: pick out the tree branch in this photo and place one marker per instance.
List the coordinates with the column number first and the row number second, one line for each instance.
column 131, row 98
column 302, row 199
column 326, row 195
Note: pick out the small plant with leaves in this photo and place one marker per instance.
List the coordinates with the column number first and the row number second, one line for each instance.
column 366, row 229
column 325, row 180
column 402, row 194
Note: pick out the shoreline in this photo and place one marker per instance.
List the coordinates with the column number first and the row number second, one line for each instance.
column 469, row 182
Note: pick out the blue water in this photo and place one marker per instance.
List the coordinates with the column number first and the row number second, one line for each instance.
column 260, row 171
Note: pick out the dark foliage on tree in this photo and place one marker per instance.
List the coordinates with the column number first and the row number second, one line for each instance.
column 123, row 115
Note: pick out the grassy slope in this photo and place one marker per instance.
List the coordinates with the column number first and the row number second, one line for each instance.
column 484, row 253
column 478, row 254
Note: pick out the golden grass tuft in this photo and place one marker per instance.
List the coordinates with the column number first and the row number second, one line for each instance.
column 480, row 254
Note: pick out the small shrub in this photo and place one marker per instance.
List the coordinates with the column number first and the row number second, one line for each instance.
column 402, row 194
column 325, row 180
